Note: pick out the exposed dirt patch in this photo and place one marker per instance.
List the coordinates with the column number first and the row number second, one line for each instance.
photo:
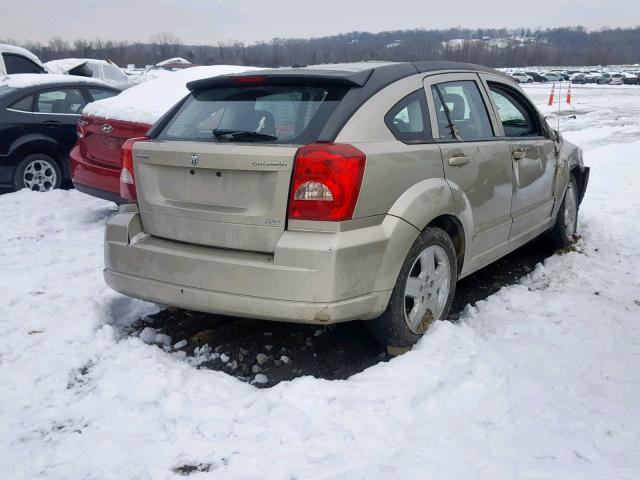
column 266, row 353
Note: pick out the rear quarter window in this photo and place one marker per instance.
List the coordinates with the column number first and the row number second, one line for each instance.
column 291, row 114
column 24, row 105
column 408, row 120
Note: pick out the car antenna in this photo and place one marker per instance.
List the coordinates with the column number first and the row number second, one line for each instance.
column 559, row 104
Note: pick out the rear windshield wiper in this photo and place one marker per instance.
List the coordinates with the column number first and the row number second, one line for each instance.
column 242, row 134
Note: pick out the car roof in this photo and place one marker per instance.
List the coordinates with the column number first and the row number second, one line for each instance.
column 24, row 81
column 16, row 86
column 20, row 51
column 64, row 65
column 354, row 74
column 370, row 77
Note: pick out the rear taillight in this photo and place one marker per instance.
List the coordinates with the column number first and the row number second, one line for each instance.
column 82, row 128
column 127, row 179
column 326, row 182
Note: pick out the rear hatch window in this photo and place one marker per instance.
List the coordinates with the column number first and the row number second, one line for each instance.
column 255, row 113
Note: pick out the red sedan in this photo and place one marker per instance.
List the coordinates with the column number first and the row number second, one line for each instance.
column 106, row 124
column 95, row 159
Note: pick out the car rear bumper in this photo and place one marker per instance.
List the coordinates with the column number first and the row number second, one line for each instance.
column 200, row 299
column 312, row 277
column 104, row 194
column 96, row 180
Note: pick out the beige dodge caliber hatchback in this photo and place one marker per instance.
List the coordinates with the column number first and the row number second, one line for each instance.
column 338, row 192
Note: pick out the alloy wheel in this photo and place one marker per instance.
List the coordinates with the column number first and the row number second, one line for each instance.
column 427, row 289
column 39, row 176
column 570, row 211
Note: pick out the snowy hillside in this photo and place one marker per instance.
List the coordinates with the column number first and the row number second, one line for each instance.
column 539, row 381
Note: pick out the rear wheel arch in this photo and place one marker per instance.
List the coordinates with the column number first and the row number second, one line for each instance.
column 454, row 228
column 438, row 203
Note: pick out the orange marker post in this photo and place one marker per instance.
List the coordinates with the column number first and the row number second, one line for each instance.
column 552, row 94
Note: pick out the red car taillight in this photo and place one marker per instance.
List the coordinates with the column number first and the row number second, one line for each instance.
column 326, row 182
column 82, row 128
column 127, row 179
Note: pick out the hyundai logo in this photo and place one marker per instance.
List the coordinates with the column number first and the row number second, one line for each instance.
column 106, row 128
column 194, row 159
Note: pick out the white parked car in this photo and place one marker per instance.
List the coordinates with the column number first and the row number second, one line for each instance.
column 18, row 60
column 616, row 79
column 521, row 77
column 104, row 70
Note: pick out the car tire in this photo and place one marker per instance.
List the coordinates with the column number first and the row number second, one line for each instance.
column 38, row 172
column 420, row 288
column 565, row 226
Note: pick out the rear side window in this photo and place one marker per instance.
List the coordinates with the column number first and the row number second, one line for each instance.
column 273, row 113
column 461, row 112
column 19, row 64
column 64, row 100
column 408, row 120
column 100, row 93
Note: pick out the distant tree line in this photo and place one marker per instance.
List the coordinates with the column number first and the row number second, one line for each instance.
column 492, row 47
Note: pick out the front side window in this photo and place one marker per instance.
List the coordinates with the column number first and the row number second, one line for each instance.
column 461, row 112
column 19, row 64
column 261, row 113
column 517, row 118
column 101, row 93
column 61, row 101
column 408, row 119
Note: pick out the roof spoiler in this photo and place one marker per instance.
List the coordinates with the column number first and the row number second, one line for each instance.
column 284, row 77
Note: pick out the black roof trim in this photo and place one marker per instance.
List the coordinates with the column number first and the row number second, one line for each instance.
column 381, row 77
column 433, row 66
column 303, row 76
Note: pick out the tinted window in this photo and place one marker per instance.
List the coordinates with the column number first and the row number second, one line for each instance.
column 19, row 64
column 292, row 114
column 461, row 112
column 517, row 117
column 25, row 104
column 100, row 93
column 408, row 119
column 63, row 100
column 113, row 73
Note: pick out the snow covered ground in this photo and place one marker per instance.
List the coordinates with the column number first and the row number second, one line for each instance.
column 540, row 381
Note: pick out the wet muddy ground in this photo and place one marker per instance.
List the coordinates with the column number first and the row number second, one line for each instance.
column 266, row 353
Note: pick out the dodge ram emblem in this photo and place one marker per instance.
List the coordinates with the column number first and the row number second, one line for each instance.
column 194, row 159
column 106, row 128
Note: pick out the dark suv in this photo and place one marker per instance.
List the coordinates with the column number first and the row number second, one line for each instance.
column 38, row 117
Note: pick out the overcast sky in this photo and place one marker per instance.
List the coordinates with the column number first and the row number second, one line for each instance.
column 210, row 21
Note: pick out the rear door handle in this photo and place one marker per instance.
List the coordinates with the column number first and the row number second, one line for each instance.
column 458, row 160
column 52, row 123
